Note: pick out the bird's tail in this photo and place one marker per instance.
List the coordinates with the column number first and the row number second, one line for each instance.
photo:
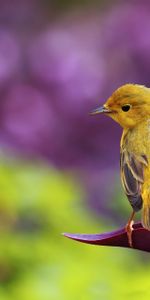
column 146, row 215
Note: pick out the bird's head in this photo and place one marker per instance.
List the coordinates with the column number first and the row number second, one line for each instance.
column 128, row 105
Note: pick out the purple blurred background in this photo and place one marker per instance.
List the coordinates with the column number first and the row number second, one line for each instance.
column 56, row 65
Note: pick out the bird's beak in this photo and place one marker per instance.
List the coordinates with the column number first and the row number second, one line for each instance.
column 100, row 110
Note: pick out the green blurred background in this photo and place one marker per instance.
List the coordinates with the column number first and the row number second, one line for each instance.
column 59, row 171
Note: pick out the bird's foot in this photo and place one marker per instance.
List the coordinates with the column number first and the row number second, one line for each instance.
column 129, row 229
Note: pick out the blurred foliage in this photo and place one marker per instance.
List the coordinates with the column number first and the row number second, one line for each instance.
column 64, row 4
column 36, row 262
column 67, row 4
column 53, row 70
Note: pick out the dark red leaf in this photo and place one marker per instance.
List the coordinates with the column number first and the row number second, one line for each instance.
column 118, row 238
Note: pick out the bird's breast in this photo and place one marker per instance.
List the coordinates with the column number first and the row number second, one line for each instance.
column 137, row 142
column 137, row 139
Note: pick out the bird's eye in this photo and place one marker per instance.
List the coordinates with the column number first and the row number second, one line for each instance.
column 126, row 107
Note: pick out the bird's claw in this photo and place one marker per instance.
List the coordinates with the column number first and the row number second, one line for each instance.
column 129, row 229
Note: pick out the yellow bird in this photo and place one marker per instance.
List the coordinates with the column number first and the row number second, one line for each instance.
column 129, row 106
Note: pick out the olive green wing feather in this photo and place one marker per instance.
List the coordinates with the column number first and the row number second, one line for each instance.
column 132, row 176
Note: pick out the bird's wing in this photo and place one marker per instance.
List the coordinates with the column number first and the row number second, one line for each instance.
column 132, row 176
